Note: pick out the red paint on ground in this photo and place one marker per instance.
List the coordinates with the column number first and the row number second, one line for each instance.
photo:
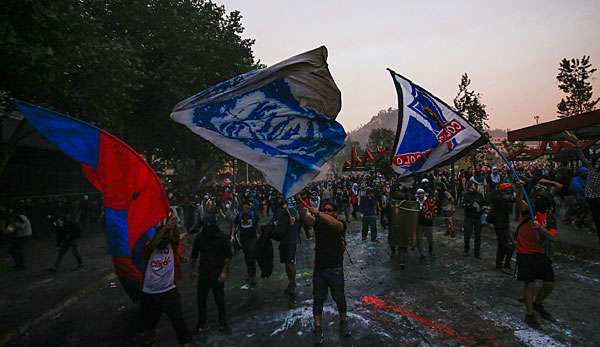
column 381, row 305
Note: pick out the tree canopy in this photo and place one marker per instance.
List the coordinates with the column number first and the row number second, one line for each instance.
column 573, row 79
column 123, row 65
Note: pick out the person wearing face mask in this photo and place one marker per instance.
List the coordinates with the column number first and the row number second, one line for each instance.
column 328, row 274
column 533, row 238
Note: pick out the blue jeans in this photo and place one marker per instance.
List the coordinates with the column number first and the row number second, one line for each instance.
column 329, row 279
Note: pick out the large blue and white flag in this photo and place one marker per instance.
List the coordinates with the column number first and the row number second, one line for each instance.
column 281, row 119
column 430, row 133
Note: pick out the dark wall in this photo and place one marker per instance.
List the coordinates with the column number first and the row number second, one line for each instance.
column 40, row 172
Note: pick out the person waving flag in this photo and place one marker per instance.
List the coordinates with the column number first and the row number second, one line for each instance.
column 134, row 199
column 430, row 133
column 280, row 119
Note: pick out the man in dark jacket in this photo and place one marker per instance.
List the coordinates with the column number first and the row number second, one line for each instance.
column 214, row 249
column 67, row 233
column 473, row 204
column 368, row 208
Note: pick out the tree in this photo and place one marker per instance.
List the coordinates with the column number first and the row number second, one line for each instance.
column 468, row 103
column 123, row 65
column 573, row 79
column 381, row 137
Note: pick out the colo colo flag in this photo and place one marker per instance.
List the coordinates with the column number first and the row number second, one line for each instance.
column 134, row 199
column 281, row 119
column 429, row 132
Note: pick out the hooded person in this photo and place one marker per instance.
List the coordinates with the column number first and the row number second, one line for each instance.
column 159, row 290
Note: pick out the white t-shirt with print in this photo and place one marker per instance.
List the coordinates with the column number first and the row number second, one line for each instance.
column 160, row 272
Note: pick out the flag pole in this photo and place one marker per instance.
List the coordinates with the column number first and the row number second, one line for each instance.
column 516, row 177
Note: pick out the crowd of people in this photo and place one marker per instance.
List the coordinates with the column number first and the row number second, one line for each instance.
column 226, row 219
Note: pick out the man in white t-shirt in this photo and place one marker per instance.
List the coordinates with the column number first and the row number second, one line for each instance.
column 159, row 291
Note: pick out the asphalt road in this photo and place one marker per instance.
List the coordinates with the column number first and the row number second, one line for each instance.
column 447, row 300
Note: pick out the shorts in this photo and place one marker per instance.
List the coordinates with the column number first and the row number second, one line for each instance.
column 287, row 253
column 536, row 266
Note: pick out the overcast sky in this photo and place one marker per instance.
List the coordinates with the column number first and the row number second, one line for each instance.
column 510, row 49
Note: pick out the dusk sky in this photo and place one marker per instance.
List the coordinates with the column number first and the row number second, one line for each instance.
column 510, row 49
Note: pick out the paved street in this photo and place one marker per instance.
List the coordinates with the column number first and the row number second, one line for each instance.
column 449, row 300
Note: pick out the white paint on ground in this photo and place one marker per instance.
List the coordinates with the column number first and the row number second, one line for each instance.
column 527, row 335
column 303, row 317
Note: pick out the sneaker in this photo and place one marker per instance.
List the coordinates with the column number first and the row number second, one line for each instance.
column 318, row 338
column 225, row 329
column 539, row 308
column 345, row 329
column 402, row 267
column 532, row 321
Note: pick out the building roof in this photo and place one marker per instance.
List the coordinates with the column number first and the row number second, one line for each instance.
column 585, row 126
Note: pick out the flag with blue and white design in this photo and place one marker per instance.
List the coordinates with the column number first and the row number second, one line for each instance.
column 430, row 133
column 280, row 119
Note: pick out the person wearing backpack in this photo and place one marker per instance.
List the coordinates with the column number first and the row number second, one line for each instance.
column 67, row 234
column 328, row 274
column 245, row 225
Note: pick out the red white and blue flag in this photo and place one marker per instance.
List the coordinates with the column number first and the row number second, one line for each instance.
column 430, row 133
column 134, row 199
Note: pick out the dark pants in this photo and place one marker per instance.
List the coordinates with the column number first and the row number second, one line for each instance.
column 249, row 248
column 505, row 247
column 472, row 225
column 206, row 283
column 154, row 305
column 355, row 211
column 325, row 280
column 369, row 222
column 16, row 250
column 595, row 208
column 64, row 248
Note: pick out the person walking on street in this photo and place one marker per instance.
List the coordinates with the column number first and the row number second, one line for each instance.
column 328, row 274
column 288, row 227
column 473, row 205
column 368, row 209
column 246, row 224
column 19, row 229
column 427, row 212
column 213, row 248
column 502, row 200
column 533, row 259
column 67, row 234
column 159, row 291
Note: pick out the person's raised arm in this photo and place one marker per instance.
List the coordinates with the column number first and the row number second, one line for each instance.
column 573, row 138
